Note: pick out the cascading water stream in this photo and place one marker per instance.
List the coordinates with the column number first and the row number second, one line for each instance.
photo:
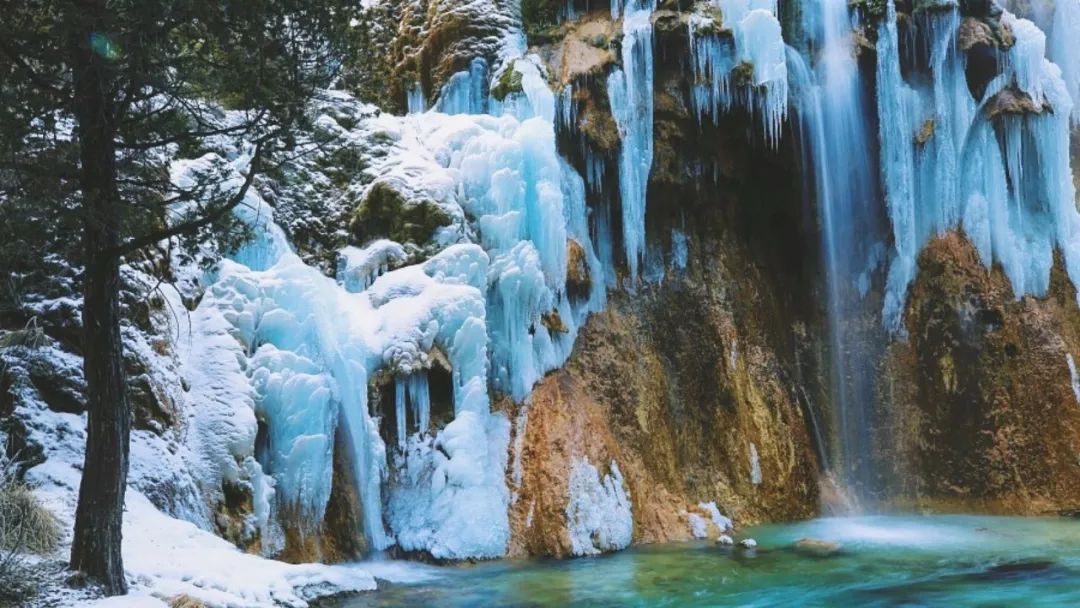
column 833, row 118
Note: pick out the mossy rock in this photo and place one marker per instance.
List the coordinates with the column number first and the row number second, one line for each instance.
column 926, row 132
column 601, row 130
column 743, row 74
column 386, row 213
column 1013, row 101
column 578, row 277
column 553, row 322
column 509, row 83
column 540, row 20
column 715, row 26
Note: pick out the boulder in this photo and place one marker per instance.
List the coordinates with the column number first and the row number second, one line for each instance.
column 816, row 547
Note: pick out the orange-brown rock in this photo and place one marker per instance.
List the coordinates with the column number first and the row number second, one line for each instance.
column 339, row 537
column 675, row 386
column 578, row 279
column 1015, row 102
column 978, row 411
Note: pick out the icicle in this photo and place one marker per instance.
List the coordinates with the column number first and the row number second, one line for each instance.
column 466, row 92
column 411, row 397
column 630, row 93
column 1064, row 50
column 415, row 101
column 897, row 166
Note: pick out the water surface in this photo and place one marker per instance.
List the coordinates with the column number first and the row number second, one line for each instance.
column 885, row 561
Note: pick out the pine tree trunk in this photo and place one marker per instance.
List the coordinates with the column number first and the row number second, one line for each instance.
column 96, row 546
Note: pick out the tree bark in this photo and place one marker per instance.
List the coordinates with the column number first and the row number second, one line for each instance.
column 99, row 516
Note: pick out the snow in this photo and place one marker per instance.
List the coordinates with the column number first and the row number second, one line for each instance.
column 598, row 515
column 699, row 527
column 358, row 268
column 165, row 556
column 721, row 522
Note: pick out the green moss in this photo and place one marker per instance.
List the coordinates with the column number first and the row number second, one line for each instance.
column 600, row 129
column 343, row 166
column 385, row 213
column 930, row 6
column 509, row 83
column 540, row 19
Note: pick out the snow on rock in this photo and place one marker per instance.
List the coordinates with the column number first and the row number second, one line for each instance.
column 753, row 41
column 699, row 526
column 295, row 349
column 165, row 556
column 598, row 515
column 721, row 522
column 358, row 268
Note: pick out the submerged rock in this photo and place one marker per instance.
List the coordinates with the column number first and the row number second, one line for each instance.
column 816, row 547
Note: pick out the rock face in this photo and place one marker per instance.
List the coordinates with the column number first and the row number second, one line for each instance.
column 979, row 406
column 697, row 382
column 690, row 383
column 437, row 38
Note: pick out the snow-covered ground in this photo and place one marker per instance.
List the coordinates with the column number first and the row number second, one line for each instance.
column 165, row 556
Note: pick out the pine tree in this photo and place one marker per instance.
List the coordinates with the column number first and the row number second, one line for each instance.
column 137, row 81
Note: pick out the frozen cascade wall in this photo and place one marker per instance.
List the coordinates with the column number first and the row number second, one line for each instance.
column 311, row 342
column 493, row 301
column 942, row 162
column 1006, row 180
column 756, row 42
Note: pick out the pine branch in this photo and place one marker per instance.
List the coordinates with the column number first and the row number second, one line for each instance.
column 205, row 219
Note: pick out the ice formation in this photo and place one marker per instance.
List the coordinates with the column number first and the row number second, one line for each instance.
column 752, row 39
column 630, row 93
column 298, row 350
column 1005, row 179
column 721, row 522
column 699, row 527
column 1074, row 377
column 415, row 102
column 598, row 516
column 755, row 466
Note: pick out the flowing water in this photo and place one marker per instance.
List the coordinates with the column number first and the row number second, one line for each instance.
column 883, row 561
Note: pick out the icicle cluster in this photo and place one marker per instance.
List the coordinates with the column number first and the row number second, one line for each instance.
column 753, row 39
column 630, row 93
column 1004, row 179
